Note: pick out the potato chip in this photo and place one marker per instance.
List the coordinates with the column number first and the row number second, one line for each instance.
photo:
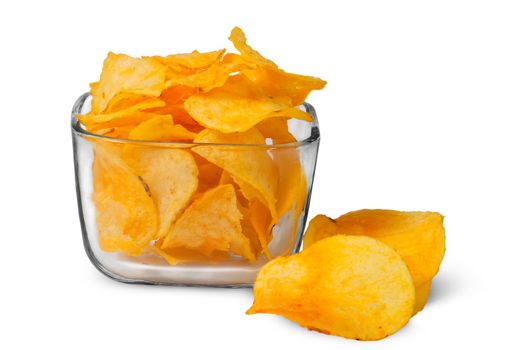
column 176, row 95
column 126, row 216
column 422, row 292
column 176, row 256
column 280, row 84
column 250, row 167
column 350, row 286
column 211, row 223
column 194, row 60
column 237, row 106
column 261, row 221
column 276, row 129
column 129, row 120
column 273, row 81
column 117, row 132
column 160, row 128
column 252, row 236
column 208, row 79
column 209, row 174
column 320, row 227
column 238, row 38
column 292, row 181
column 419, row 237
column 124, row 100
column 170, row 175
column 92, row 118
column 121, row 73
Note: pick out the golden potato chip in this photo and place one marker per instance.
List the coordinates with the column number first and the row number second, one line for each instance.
column 96, row 118
column 237, row 106
column 209, row 174
column 211, row 223
column 127, row 219
column 121, row 73
column 422, row 292
column 273, row 81
column 170, row 175
column 261, row 221
column 128, row 120
column 176, row 95
column 292, row 180
column 350, row 286
column 179, row 255
column 208, row 79
column 419, row 237
column 192, row 61
column 280, row 84
column 250, row 167
column 276, row 129
column 320, row 227
column 238, row 38
column 124, row 100
column 117, row 132
column 161, row 128
column 252, row 236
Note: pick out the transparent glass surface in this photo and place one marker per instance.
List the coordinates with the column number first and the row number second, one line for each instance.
column 284, row 229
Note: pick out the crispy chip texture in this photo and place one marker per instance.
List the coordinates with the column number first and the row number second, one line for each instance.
column 211, row 223
column 237, row 106
column 250, row 167
column 126, row 216
column 170, row 176
column 273, row 81
column 419, row 237
column 192, row 61
column 161, row 128
column 122, row 73
column 193, row 126
column 350, row 286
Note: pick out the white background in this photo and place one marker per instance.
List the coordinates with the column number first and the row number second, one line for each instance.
column 412, row 118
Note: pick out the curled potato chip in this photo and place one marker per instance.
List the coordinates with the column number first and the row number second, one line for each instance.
column 354, row 287
column 261, row 221
column 122, row 73
column 419, row 237
column 280, row 84
column 237, row 106
column 174, row 98
column 160, row 128
column 252, row 236
column 192, row 61
column 320, row 227
column 118, row 132
column 292, row 181
column 238, row 38
column 129, row 120
column 96, row 118
column 273, row 81
column 250, row 167
column 276, row 129
column 170, row 176
column 125, row 214
column 209, row 174
column 208, row 79
column 211, row 223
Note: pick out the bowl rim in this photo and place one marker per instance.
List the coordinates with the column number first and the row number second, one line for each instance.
column 78, row 130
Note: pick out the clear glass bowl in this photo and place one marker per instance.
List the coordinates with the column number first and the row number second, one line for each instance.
column 284, row 230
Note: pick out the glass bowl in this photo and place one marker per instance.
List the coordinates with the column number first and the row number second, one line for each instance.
column 119, row 207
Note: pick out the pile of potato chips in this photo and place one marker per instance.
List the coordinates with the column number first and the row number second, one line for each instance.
column 360, row 276
column 189, row 170
column 199, row 177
